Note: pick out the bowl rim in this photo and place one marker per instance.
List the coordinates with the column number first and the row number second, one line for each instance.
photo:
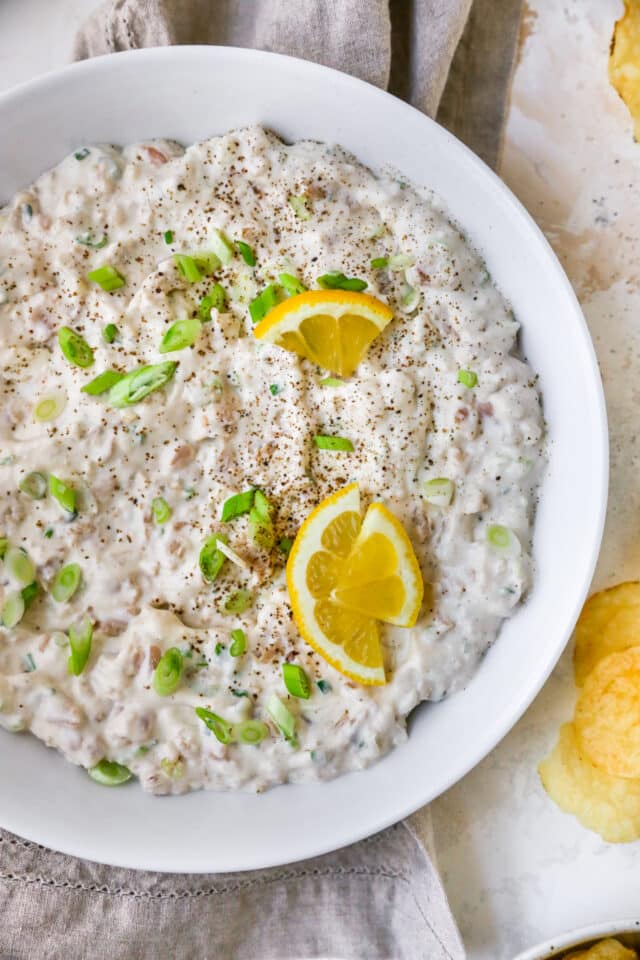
column 486, row 742
column 578, row 937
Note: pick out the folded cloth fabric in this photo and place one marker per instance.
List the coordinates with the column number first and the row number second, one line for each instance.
column 381, row 899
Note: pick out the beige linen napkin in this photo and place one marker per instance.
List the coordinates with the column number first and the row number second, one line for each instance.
column 381, row 899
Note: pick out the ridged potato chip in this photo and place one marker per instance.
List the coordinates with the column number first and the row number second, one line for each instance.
column 609, row 622
column 624, row 60
column 607, row 715
column 606, row 950
column 608, row 805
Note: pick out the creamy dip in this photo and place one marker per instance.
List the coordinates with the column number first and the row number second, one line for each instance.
column 238, row 414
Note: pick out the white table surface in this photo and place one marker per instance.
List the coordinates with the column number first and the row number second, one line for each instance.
column 516, row 869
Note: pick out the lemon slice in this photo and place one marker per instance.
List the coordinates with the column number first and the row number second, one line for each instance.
column 333, row 328
column 346, row 574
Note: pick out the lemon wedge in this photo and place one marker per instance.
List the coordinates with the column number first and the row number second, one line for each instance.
column 345, row 574
column 333, row 328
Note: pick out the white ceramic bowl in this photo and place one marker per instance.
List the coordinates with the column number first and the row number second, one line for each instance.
column 193, row 92
column 626, row 931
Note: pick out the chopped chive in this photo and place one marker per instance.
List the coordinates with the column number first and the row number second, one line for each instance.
column 211, row 559
column 63, row 493
column 250, row 731
column 110, row 333
column 237, row 505
column 274, row 389
column 29, row 663
column 340, row 444
column 34, row 485
column 215, row 300
column 66, row 582
column 246, row 253
column 220, row 728
column 49, row 408
column 438, row 491
column 19, row 566
column 80, row 637
column 166, row 676
column 88, row 240
column 181, row 334
column 219, row 648
column 379, row 263
column 296, row 681
column 284, row 545
column 331, row 382
column 108, row 773
column 160, row 510
column 107, row 277
column 324, row 686
column 168, row 236
column 263, row 303
column 82, row 153
column 300, row 206
column 220, row 246
column 102, row 383
column 239, row 601
column 187, row 267
column 139, row 383
column 48, row 533
column 334, row 280
column 12, row 610
column 238, row 693
column 291, row 284
column 283, row 718
column 238, row 644
column 74, row 347
column 467, row 378
column 29, row 592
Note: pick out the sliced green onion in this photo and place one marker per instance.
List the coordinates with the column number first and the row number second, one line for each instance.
column 324, row 686
column 48, row 533
column 503, row 539
column 82, row 153
column 438, row 491
column 467, row 378
column 12, row 610
column 222, row 247
column 246, row 253
column 207, row 262
column 166, row 676
column 238, row 644
column 215, row 300
column 29, row 663
column 232, row 555
column 263, row 303
column 333, row 443
column 283, row 718
column 410, row 298
column 334, row 280
column 110, row 333
column 187, row 267
column 63, row 493
column 219, row 648
column 400, row 261
column 80, row 637
column 296, row 681
column 261, row 522
column 221, row 729
column 211, row 559
column 74, row 347
column 181, row 334
column 108, row 773
column 168, row 236
column 102, row 383
column 35, row 485
column 250, row 731
column 4, row 546
column 331, row 382
column 239, row 693
column 50, row 407
column 66, row 582
column 172, row 768
column 300, row 206
column 29, row 593
column 161, row 510
column 88, row 240
column 19, row 566
column 139, row 383
column 239, row 601
column 107, row 277
column 274, row 389
column 291, row 284
column 379, row 263
column 237, row 505
column 284, row 545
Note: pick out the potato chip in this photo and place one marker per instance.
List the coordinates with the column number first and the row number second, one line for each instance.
column 624, row 60
column 609, row 622
column 608, row 950
column 607, row 715
column 608, row 805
